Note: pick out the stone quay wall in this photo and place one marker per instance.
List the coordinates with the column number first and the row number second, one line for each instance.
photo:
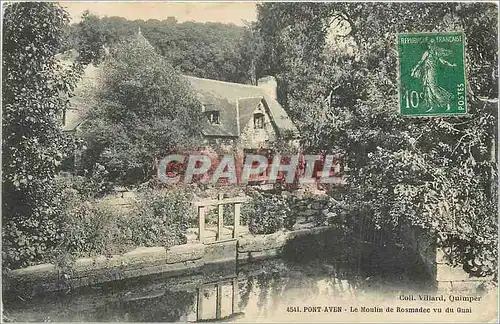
column 177, row 260
column 445, row 276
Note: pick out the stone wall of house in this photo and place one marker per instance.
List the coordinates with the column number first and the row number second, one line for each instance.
column 251, row 138
column 221, row 145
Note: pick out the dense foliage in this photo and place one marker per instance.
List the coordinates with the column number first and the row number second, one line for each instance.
column 208, row 50
column 89, row 41
column 45, row 216
column 144, row 110
column 341, row 89
column 155, row 218
column 267, row 213
column 35, row 88
column 162, row 218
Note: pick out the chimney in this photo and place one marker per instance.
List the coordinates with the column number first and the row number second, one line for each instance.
column 268, row 84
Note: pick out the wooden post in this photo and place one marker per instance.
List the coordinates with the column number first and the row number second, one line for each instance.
column 220, row 221
column 235, row 296
column 201, row 223
column 237, row 212
column 218, row 306
column 199, row 304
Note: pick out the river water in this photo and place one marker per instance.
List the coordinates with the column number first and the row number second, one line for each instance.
column 274, row 290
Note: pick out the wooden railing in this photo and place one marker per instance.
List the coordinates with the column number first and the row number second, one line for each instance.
column 220, row 202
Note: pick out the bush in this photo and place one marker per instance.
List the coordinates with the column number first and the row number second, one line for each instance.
column 161, row 218
column 266, row 214
column 28, row 241
column 35, row 238
column 94, row 183
column 95, row 228
column 212, row 215
column 90, row 185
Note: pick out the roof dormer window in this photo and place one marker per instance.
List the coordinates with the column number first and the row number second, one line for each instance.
column 258, row 121
column 213, row 117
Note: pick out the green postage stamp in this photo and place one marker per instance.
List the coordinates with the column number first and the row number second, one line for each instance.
column 432, row 74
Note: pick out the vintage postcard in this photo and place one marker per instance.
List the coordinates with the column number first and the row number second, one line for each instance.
column 249, row 161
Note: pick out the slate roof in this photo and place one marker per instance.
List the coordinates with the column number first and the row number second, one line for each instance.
column 235, row 102
column 233, row 95
column 230, row 113
column 246, row 107
column 228, row 117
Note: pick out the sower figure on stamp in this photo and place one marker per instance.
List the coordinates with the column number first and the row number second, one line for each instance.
column 426, row 70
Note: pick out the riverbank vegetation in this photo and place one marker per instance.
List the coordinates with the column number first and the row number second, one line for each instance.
column 101, row 227
column 336, row 65
column 43, row 215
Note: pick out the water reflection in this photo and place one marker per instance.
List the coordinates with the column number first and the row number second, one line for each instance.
column 216, row 301
column 256, row 290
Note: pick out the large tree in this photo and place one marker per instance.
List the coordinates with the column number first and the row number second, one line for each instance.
column 207, row 50
column 437, row 173
column 32, row 141
column 293, row 36
column 144, row 110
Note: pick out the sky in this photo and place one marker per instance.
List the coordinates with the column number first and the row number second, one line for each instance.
column 224, row 12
